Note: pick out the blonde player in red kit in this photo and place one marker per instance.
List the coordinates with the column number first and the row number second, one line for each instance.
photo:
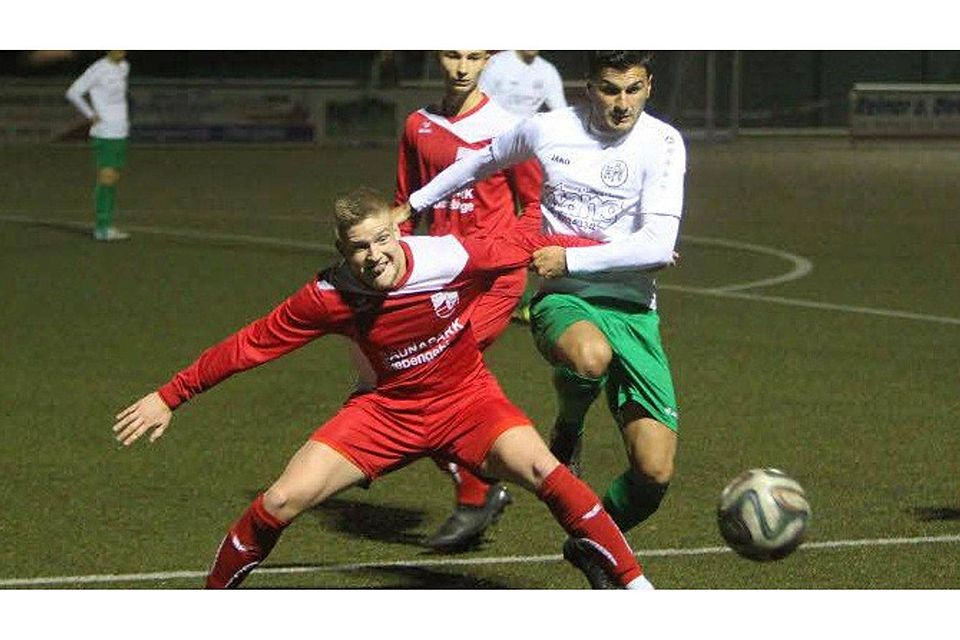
column 433, row 138
column 408, row 304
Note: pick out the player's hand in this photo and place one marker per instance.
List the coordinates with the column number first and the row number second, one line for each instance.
column 401, row 213
column 550, row 262
column 149, row 412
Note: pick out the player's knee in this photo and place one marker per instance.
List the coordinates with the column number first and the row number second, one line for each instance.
column 592, row 358
column 284, row 504
column 542, row 467
column 108, row 177
column 654, row 468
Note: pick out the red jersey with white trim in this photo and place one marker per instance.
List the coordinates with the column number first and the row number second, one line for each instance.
column 432, row 142
column 414, row 335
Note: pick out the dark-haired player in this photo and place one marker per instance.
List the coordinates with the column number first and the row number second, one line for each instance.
column 614, row 173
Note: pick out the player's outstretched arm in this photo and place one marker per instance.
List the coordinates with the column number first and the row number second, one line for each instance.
column 507, row 149
column 650, row 248
column 148, row 413
column 514, row 250
column 551, row 262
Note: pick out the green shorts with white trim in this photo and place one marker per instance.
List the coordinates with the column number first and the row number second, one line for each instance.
column 639, row 371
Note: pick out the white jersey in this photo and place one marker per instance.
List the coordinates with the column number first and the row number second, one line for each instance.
column 626, row 191
column 106, row 82
column 522, row 88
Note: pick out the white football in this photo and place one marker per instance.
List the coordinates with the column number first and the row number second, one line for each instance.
column 763, row 514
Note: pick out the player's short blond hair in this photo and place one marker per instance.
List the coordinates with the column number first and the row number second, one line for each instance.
column 356, row 206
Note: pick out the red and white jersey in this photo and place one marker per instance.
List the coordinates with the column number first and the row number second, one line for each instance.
column 414, row 335
column 432, row 142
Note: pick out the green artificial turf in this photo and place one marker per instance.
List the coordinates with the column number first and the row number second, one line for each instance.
column 861, row 408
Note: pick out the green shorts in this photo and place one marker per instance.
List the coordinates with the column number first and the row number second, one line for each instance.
column 110, row 152
column 639, row 370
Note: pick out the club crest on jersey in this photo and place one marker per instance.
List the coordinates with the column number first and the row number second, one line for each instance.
column 445, row 303
column 425, row 127
column 614, row 173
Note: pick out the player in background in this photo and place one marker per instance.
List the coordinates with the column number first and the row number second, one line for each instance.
column 433, row 138
column 523, row 83
column 614, row 173
column 106, row 83
column 407, row 303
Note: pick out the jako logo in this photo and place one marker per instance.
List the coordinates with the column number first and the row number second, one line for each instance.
column 559, row 159
column 445, row 303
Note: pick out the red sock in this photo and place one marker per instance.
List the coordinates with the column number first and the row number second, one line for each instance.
column 471, row 490
column 579, row 511
column 247, row 543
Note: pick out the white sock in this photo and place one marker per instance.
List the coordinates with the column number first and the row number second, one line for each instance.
column 640, row 582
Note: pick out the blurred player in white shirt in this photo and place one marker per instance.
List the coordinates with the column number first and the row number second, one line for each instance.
column 105, row 81
column 522, row 82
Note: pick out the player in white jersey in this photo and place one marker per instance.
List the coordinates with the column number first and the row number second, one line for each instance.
column 106, row 83
column 612, row 173
column 522, row 82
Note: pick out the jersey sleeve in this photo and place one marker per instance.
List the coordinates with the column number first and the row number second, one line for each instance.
column 76, row 92
column 526, row 182
column 296, row 321
column 407, row 178
column 663, row 177
column 648, row 248
column 503, row 253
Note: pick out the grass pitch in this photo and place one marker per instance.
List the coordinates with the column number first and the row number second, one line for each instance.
column 824, row 374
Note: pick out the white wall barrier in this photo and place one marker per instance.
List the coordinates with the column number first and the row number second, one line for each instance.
column 228, row 111
column 905, row 110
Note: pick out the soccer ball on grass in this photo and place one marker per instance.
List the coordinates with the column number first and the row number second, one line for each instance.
column 763, row 514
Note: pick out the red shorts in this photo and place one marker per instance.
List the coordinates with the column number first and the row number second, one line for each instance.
column 492, row 311
column 379, row 434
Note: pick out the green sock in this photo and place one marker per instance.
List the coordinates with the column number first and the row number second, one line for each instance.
column 630, row 500
column 105, row 197
column 575, row 394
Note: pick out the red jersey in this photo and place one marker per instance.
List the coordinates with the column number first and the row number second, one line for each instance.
column 413, row 335
column 432, row 142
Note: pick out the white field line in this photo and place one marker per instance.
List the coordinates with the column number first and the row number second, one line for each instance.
column 813, row 304
column 448, row 562
column 801, row 268
column 177, row 233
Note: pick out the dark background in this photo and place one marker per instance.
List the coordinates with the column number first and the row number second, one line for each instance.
column 778, row 88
